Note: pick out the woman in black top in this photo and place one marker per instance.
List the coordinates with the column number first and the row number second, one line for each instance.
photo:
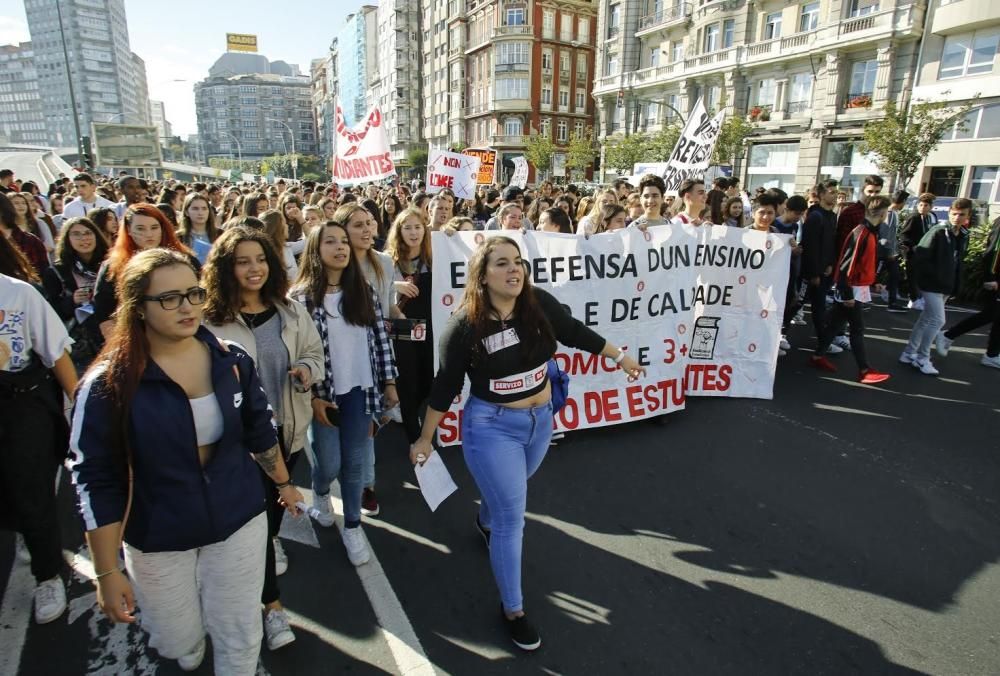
column 503, row 335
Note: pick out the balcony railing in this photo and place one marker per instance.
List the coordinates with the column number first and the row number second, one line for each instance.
column 477, row 109
column 668, row 15
column 510, row 140
column 511, row 31
column 798, row 108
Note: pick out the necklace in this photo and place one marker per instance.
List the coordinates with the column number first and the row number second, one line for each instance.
column 503, row 320
column 334, row 287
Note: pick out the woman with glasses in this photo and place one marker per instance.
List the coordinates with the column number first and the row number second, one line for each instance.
column 69, row 284
column 246, row 285
column 167, row 426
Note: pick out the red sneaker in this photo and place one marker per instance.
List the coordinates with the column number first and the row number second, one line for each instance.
column 872, row 377
column 822, row 363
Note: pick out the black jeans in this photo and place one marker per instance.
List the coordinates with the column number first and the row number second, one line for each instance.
column 989, row 314
column 415, row 361
column 32, row 440
column 275, row 513
column 817, row 300
column 911, row 276
column 892, row 278
column 840, row 315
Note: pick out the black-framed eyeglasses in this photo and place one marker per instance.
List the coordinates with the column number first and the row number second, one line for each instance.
column 172, row 300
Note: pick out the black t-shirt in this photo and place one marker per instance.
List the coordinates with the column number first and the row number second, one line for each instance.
column 509, row 373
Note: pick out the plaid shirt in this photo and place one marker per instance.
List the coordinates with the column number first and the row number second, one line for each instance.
column 383, row 362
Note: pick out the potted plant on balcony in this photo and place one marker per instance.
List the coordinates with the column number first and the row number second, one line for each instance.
column 860, row 101
column 755, row 113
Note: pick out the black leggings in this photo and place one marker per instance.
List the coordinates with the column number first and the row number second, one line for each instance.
column 989, row 314
column 275, row 512
column 415, row 361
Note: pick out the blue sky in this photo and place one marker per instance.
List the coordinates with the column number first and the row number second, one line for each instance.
column 179, row 40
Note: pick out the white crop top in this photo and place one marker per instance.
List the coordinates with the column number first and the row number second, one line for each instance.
column 207, row 419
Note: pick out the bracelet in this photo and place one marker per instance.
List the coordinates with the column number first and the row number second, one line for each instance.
column 106, row 573
column 621, row 356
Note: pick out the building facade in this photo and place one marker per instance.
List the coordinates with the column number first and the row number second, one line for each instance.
column 356, row 54
column 322, row 74
column 959, row 62
column 252, row 114
column 158, row 118
column 497, row 71
column 809, row 74
column 394, row 77
column 108, row 79
column 22, row 117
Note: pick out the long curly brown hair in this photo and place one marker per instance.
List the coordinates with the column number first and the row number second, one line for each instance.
column 219, row 275
column 537, row 339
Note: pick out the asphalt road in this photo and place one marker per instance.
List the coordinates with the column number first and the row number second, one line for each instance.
column 836, row 529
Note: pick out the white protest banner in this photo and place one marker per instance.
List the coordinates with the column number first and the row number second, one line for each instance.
column 700, row 308
column 452, row 170
column 520, row 177
column 693, row 152
column 362, row 153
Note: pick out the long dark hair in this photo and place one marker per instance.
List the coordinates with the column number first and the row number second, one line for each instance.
column 14, row 263
column 100, row 217
column 385, row 218
column 66, row 254
column 250, row 204
column 184, row 230
column 8, row 217
column 537, row 339
column 343, row 216
column 357, row 304
column 219, row 275
column 715, row 200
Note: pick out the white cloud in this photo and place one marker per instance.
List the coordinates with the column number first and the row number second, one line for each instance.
column 13, row 30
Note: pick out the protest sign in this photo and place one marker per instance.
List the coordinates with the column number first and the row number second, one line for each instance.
column 520, row 177
column 362, row 154
column 487, row 164
column 693, row 152
column 699, row 307
column 452, row 170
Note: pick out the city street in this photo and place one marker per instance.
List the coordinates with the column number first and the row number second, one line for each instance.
column 837, row 529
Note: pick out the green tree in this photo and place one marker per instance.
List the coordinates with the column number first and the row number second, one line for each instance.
column 539, row 151
column 903, row 138
column 581, row 152
column 732, row 136
column 418, row 160
column 662, row 143
column 620, row 153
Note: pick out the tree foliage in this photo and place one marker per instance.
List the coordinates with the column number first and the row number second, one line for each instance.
column 622, row 152
column 903, row 138
column 539, row 151
column 732, row 136
column 581, row 152
column 418, row 160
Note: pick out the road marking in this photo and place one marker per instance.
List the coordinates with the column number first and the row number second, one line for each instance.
column 15, row 613
column 395, row 626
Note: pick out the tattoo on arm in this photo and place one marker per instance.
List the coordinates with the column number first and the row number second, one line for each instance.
column 268, row 460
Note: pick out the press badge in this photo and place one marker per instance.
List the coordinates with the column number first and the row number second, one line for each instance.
column 499, row 341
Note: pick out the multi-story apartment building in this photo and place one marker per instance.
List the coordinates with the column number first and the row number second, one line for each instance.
column 108, row 79
column 958, row 61
column 252, row 113
column 158, row 118
column 496, row 71
column 356, row 50
column 323, row 85
column 22, row 118
column 394, row 77
column 809, row 73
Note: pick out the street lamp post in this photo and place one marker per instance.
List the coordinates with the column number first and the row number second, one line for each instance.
column 295, row 163
column 69, row 81
column 239, row 150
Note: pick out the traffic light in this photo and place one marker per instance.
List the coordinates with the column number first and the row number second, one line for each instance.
column 86, row 153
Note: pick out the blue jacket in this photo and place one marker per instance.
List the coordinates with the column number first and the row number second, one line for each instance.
column 177, row 505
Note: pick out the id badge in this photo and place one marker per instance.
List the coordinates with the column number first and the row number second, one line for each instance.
column 501, row 340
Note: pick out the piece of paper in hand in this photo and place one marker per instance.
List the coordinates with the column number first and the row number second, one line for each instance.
column 435, row 482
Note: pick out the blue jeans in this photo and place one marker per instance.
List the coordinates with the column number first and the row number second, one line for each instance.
column 503, row 447
column 339, row 453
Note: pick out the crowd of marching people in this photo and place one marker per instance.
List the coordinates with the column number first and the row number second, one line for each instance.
column 210, row 336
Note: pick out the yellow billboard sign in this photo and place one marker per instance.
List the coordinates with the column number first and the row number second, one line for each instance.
column 238, row 42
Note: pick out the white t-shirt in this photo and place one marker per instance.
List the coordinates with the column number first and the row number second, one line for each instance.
column 293, row 249
column 353, row 367
column 28, row 325
column 586, row 226
column 78, row 208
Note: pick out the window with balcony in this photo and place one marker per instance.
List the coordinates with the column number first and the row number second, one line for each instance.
column 800, row 93
column 858, row 8
column 512, row 52
column 728, row 33
column 809, row 18
column 713, row 95
column 772, row 26
column 549, row 24
column 581, row 67
column 652, row 113
column 546, row 60
column 968, row 54
column 564, row 100
column 583, row 29
column 581, row 100
column 863, row 78
column 578, row 129
column 545, row 127
column 566, row 22
column 676, row 51
column 514, row 16
column 512, row 126
column 511, row 88
column 562, row 129
column 611, row 64
column 546, row 96
column 564, row 63
column 711, row 42
column 766, row 90
column 614, row 20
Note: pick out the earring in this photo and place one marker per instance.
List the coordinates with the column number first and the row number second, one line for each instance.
column 142, row 316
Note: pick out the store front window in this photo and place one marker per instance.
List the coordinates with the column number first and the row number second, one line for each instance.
column 773, row 165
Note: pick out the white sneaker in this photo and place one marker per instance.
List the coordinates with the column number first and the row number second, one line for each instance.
column 23, row 555
column 356, row 545
column 942, row 344
column 834, row 349
column 799, row 319
column 993, row 362
column 277, row 630
column 280, row 558
column 926, row 367
column 843, row 342
column 50, row 600
column 784, row 344
column 917, row 304
column 325, row 509
column 782, row 353
column 907, row 357
column 193, row 659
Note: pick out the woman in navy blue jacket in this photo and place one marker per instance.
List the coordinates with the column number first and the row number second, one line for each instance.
column 170, row 410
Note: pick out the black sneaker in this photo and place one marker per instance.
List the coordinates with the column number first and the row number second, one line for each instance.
column 485, row 532
column 522, row 632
